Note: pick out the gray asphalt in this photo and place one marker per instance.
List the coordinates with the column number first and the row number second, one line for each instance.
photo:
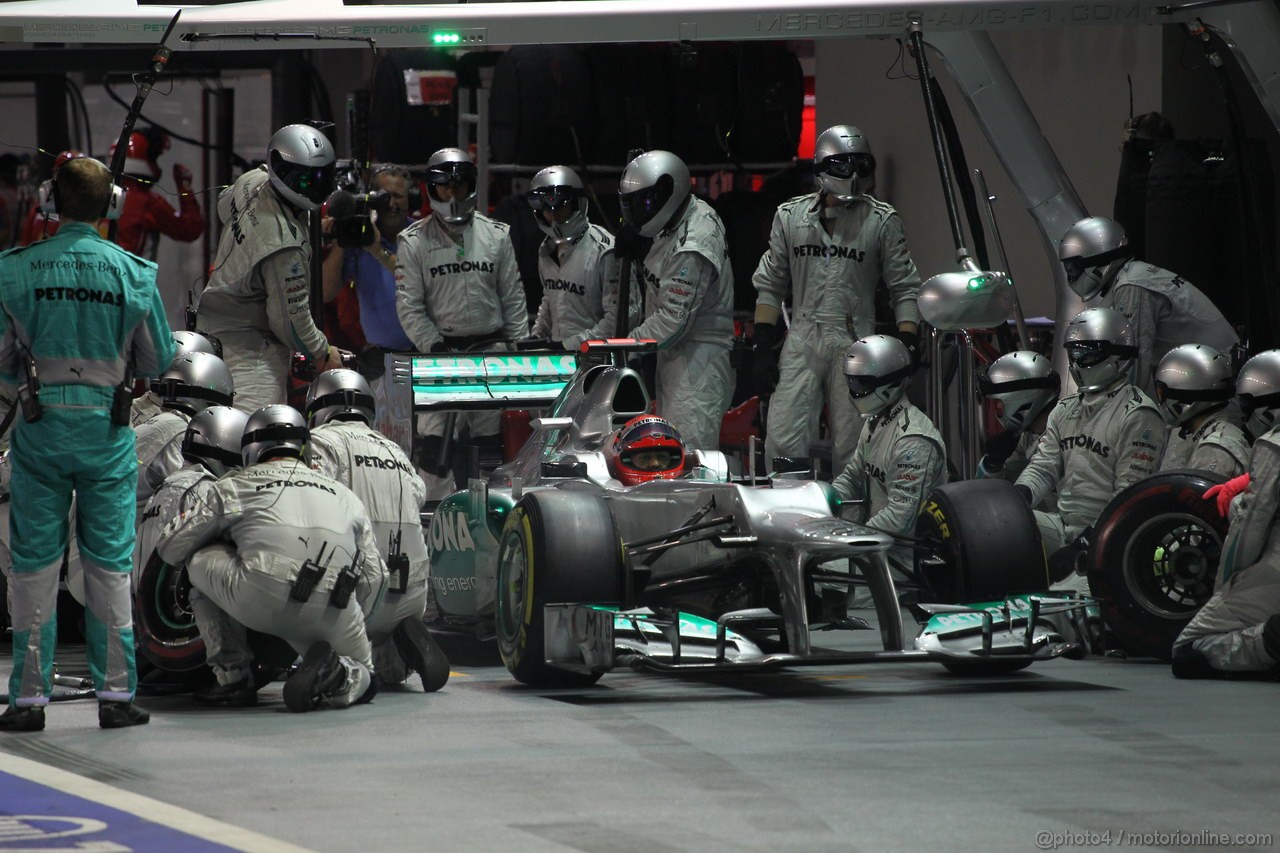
column 848, row 759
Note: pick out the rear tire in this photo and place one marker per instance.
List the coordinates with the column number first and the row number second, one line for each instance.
column 1154, row 557
column 556, row 547
column 990, row 545
column 164, row 626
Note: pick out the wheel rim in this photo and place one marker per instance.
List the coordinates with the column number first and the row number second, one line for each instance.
column 1170, row 563
column 173, row 601
column 513, row 574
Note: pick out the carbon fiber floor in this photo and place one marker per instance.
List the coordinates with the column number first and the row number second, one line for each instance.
column 879, row 758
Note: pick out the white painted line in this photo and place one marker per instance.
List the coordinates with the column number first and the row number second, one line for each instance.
column 146, row 808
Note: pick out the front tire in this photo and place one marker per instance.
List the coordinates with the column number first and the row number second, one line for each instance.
column 164, row 626
column 1154, row 557
column 556, row 547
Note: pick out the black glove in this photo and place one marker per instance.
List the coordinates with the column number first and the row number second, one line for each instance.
column 629, row 244
column 764, row 358
column 440, row 346
column 1064, row 562
column 999, row 447
column 1025, row 493
column 912, row 340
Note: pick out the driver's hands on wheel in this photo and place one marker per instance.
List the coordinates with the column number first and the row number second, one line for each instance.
column 1226, row 493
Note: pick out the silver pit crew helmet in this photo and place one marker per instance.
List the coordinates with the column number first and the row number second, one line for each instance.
column 554, row 189
column 653, row 190
column 1092, row 253
column 273, row 431
column 1192, row 379
column 843, row 162
column 300, row 163
column 452, row 167
column 193, row 382
column 339, row 394
column 1258, row 389
column 1100, row 348
column 212, row 439
column 188, row 342
column 877, row 369
column 1024, row 383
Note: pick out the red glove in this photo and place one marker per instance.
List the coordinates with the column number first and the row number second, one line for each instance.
column 182, row 177
column 1227, row 492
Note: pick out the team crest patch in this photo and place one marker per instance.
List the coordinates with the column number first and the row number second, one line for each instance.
column 296, row 269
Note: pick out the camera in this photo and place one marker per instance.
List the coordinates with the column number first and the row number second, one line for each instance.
column 353, row 226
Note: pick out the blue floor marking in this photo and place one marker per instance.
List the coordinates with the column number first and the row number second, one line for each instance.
column 39, row 817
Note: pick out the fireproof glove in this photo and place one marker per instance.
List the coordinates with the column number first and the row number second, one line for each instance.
column 629, row 244
column 1226, row 493
column 764, row 358
column 1025, row 493
column 912, row 340
column 1064, row 562
column 182, row 178
column 999, row 447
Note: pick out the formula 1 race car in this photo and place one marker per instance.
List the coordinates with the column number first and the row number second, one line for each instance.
column 576, row 574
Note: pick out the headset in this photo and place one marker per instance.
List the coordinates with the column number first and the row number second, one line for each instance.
column 48, row 197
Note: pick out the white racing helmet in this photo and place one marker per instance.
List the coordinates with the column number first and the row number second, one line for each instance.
column 1025, row 383
column 273, row 431
column 554, row 188
column 877, row 369
column 339, row 394
column 300, row 163
column 452, row 167
column 1100, row 348
column 1258, row 389
column 652, row 191
column 194, row 382
column 1092, row 253
column 212, row 439
column 843, row 162
column 188, row 342
column 1190, row 380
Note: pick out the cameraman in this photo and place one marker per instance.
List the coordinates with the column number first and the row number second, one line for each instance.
column 369, row 265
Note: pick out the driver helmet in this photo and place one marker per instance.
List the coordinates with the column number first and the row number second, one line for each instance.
column 139, row 158
column 212, row 439
column 1258, row 389
column 843, row 162
column 339, row 394
column 1092, row 253
column 452, row 167
column 653, row 189
column 189, row 342
column 300, row 164
column 1190, row 380
column 559, row 189
column 877, row 369
column 273, row 431
column 645, row 448
column 1024, row 383
column 193, row 382
column 1100, row 348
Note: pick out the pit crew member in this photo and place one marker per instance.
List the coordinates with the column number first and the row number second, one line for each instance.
column 1194, row 387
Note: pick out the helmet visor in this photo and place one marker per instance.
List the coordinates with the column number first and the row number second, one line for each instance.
column 843, row 166
column 1074, row 267
column 862, row 386
column 1088, row 353
column 552, row 198
column 460, row 176
column 640, row 206
column 650, row 459
column 311, row 182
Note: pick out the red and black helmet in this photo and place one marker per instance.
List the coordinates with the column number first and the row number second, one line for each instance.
column 646, row 448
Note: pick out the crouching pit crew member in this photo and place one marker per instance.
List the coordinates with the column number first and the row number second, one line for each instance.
column 900, row 457
column 302, row 565
column 1026, row 387
column 345, row 446
column 148, row 405
column 1095, row 443
column 1194, row 386
column 1238, row 629
column 79, row 317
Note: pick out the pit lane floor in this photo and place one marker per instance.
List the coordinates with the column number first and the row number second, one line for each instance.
column 874, row 758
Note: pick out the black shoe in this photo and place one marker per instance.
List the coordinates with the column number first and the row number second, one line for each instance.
column 421, row 654
column 1189, row 662
column 1271, row 636
column 239, row 694
column 320, row 674
column 120, row 715
column 22, row 718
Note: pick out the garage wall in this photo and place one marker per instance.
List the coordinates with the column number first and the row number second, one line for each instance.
column 1075, row 84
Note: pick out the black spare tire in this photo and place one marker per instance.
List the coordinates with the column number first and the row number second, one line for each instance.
column 987, row 545
column 1153, row 558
